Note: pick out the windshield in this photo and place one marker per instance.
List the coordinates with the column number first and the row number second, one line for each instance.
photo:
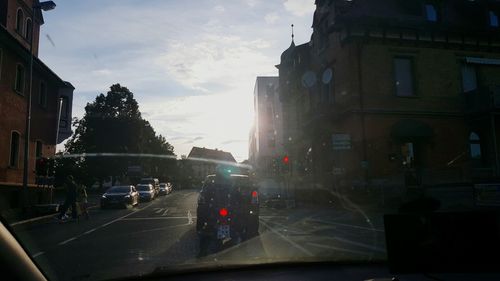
column 329, row 115
column 143, row 188
column 119, row 189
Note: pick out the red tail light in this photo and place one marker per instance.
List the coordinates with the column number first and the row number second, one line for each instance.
column 255, row 197
column 223, row 212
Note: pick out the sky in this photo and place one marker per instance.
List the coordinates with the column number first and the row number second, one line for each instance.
column 191, row 64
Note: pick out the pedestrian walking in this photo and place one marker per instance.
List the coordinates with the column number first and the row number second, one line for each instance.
column 70, row 201
column 83, row 201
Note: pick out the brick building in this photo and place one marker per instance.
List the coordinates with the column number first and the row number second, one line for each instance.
column 394, row 93
column 51, row 96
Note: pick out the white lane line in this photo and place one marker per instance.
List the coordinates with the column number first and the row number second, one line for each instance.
column 37, row 254
column 165, row 213
column 190, row 217
column 338, row 249
column 67, row 241
column 188, row 194
column 271, row 217
column 90, row 231
column 160, row 228
column 159, row 210
column 374, row 248
column 104, row 225
column 346, row 225
column 157, row 218
column 304, row 250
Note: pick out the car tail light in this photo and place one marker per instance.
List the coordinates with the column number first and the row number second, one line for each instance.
column 223, row 212
column 255, row 197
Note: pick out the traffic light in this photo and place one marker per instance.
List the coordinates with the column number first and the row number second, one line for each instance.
column 286, row 160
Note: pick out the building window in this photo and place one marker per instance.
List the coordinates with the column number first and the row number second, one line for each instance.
column 19, row 21
column 475, row 146
column 42, row 98
column 14, row 149
column 469, row 78
column 493, row 19
column 19, row 82
column 64, row 108
column 431, row 12
column 39, row 149
column 403, row 74
column 29, row 29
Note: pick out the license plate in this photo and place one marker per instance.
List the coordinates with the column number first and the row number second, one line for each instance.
column 223, row 232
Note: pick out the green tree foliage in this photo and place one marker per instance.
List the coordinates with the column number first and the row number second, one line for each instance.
column 113, row 124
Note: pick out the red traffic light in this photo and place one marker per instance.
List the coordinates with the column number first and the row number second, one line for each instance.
column 223, row 212
column 286, row 160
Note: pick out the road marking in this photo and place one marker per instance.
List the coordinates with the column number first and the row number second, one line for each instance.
column 338, row 249
column 102, row 226
column 159, row 210
column 165, row 213
column 67, row 241
column 374, row 248
column 160, row 228
column 156, row 218
column 90, row 231
column 190, row 217
column 37, row 254
column 273, row 230
column 347, row 225
column 188, row 194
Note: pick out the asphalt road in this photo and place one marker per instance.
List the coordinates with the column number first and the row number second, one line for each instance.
column 161, row 234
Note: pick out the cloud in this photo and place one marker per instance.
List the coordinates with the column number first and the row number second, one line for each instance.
column 271, row 18
column 299, row 7
column 216, row 59
column 219, row 9
column 232, row 141
column 198, row 138
column 191, row 70
column 252, row 3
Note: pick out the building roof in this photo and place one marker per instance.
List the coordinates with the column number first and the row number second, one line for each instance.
column 212, row 154
column 20, row 50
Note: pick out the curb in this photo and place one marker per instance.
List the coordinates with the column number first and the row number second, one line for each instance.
column 42, row 217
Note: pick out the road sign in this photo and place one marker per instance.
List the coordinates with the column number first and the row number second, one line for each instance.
column 341, row 141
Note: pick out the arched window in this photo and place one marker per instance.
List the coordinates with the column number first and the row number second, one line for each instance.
column 19, row 21
column 29, row 28
column 19, row 82
column 475, row 146
column 14, row 149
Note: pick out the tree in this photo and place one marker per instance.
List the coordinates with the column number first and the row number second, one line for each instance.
column 113, row 124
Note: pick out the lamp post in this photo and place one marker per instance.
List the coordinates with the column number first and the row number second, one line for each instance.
column 41, row 6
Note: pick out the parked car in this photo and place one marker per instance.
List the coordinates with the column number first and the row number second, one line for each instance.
column 146, row 192
column 164, row 190
column 154, row 182
column 123, row 196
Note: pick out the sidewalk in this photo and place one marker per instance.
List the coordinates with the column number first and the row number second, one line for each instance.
column 16, row 216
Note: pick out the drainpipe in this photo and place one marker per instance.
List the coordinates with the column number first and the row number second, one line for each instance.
column 362, row 110
column 493, row 132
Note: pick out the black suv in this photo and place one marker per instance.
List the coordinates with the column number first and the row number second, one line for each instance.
column 228, row 210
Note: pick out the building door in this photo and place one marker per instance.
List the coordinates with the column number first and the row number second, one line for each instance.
column 411, row 153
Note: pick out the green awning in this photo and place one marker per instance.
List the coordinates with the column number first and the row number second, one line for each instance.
column 410, row 128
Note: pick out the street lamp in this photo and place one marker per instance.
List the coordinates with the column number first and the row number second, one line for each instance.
column 41, row 6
